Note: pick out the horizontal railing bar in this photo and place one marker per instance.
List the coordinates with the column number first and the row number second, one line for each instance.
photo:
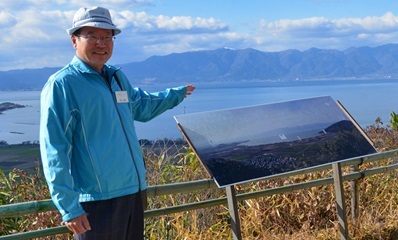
column 267, row 192
column 37, row 233
column 32, row 207
column 284, row 189
column 166, row 189
column 185, row 207
column 17, row 209
column 215, row 202
column 316, row 183
column 378, row 170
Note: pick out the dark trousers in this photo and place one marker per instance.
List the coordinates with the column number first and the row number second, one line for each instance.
column 115, row 219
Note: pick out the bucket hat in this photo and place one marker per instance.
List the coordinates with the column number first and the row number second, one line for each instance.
column 98, row 17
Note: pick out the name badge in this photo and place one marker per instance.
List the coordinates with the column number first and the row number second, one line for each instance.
column 121, row 97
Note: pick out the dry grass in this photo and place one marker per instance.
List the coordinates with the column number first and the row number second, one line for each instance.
column 304, row 214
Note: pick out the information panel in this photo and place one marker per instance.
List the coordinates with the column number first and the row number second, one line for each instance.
column 244, row 144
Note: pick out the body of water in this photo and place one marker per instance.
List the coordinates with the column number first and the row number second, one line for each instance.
column 365, row 100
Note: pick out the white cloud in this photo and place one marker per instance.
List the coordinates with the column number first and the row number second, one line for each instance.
column 71, row 4
column 145, row 35
column 386, row 23
column 7, row 20
column 327, row 33
column 110, row 4
column 142, row 22
column 31, row 28
column 36, row 37
column 11, row 4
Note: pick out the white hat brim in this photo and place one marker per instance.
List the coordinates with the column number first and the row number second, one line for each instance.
column 102, row 25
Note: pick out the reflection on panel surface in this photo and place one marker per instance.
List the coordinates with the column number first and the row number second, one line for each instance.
column 243, row 144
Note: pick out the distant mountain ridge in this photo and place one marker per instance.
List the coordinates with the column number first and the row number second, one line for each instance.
column 223, row 65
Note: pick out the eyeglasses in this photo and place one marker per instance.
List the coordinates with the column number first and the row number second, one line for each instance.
column 95, row 39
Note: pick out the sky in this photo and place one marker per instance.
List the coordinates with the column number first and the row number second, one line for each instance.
column 34, row 31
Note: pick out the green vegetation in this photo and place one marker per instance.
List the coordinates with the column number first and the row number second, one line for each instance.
column 394, row 121
column 304, row 214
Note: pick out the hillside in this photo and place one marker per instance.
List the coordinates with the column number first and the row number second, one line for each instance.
column 240, row 65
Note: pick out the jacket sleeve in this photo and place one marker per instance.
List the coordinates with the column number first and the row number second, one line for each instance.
column 146, row 106
column 57, row 122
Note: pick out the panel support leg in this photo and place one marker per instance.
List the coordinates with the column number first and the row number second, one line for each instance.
column 233, row 211
column 340, row 201
column 355, row 199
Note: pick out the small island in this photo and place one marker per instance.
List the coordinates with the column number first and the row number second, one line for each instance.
column 8, row 106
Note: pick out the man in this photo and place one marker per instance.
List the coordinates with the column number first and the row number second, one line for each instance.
column 91, row 157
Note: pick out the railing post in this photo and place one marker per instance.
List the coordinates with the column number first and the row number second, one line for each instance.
column 233, row 211
column 354, row 196
column 340, row 201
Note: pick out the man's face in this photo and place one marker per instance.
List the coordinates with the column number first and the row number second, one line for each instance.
column 94, row 46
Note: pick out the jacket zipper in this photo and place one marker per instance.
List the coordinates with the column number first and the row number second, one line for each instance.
column 121, row 122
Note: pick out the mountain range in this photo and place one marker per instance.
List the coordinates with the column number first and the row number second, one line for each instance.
column 225, row 64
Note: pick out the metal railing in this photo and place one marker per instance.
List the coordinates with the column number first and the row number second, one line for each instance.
column 32, row 207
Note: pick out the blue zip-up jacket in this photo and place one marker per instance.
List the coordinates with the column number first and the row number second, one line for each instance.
column 88, row 143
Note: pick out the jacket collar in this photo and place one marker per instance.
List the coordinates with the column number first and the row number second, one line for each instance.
column 85, row 68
